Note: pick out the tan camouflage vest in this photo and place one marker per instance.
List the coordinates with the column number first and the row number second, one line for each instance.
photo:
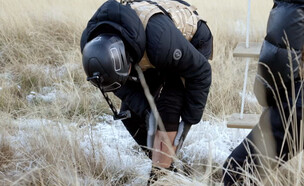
column 183, row 17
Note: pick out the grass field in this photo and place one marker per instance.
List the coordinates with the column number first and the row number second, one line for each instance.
column 41, row 76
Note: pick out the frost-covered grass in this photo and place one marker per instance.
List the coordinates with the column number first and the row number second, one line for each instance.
column 105, row 143
column 55, row 128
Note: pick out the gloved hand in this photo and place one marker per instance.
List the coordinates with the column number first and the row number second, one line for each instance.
column 182, row 132
column 151, row 128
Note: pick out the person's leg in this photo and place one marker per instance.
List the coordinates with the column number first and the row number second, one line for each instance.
column 136, row 126
column 243, row 154
column 162, row 151
column 265, row 143
column 169, row 104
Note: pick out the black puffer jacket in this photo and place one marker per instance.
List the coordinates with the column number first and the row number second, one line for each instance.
column 285, row 23
column 113, row 17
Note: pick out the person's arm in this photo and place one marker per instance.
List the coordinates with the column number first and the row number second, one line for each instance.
column 131, row 93
column 203, row 40
column 167, row 49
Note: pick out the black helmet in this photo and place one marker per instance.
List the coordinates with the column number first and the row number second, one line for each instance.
column 105, row 63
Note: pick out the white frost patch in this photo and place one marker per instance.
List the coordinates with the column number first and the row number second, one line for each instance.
column 55, row 72
column 108, row 139
column 6, row 76
column 26, row 129
column 117, row 147
column 6, row 79
column 33, row 123
column 250, row 97
column 47, row 95
column 211, row 140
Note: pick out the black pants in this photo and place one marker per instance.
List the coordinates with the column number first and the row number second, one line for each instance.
column 265, row 140
column 169, row 101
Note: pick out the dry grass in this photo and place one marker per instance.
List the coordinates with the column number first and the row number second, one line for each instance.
column 37, row 36
column 39, row 48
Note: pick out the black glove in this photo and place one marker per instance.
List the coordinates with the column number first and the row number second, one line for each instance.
column 182, row 132
column 151, row 128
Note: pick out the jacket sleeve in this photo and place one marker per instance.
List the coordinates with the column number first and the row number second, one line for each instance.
column 167, row 49
column 131, row 94
column 203, row 40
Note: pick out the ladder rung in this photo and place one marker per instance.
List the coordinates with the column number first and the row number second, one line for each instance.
column 253, row 51
column 248, row 121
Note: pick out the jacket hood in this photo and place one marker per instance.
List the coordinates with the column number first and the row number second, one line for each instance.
column 113, row 17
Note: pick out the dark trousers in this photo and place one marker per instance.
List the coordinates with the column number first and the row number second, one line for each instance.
column 169, row 101
column 266, row 140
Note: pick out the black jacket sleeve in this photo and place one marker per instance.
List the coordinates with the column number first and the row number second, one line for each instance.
column 132, row 93
column 167, row 49
column 203, row 40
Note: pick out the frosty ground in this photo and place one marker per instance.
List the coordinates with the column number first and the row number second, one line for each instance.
column 207, row 141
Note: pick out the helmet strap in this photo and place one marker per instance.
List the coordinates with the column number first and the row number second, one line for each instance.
column 117, row 116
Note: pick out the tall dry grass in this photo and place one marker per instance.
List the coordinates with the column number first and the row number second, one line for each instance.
column 39, row 51
column 39, row 44
column 37, row 36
